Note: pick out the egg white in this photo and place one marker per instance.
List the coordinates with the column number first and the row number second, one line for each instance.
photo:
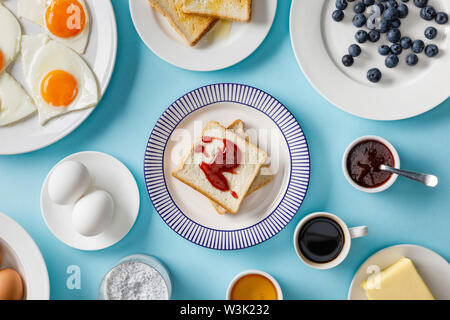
column 34, row 10
column 40, row 56
column 15, row 104
column 10, row 36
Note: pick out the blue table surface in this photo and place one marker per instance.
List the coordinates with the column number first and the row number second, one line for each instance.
column 144, row 85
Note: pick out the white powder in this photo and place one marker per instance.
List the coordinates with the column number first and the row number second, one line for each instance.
column 135, row 281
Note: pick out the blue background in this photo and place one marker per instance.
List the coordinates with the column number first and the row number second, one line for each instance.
column 143, row 86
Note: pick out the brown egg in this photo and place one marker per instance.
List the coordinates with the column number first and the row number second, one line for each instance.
column 11, row 285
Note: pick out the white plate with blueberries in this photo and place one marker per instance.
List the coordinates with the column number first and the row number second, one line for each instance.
column 376, row 59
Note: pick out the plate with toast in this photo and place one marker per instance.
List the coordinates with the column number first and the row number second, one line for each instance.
column 373, row 80
column 203, row 35
column 227, row 166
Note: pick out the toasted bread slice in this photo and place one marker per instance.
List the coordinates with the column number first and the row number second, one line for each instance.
column 264, row 176
column 190, row 27
column 239, row 180
column 236, row 10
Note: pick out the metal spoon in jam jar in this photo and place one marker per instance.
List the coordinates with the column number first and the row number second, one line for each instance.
column 427, row 179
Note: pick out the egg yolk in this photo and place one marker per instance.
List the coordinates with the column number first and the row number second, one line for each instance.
column 59, row 88
column 65, row 18
column 2, row 63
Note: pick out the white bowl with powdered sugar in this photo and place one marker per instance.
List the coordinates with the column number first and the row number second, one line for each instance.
column 136, row 277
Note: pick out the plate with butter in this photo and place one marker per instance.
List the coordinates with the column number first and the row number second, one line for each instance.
column 402, row 272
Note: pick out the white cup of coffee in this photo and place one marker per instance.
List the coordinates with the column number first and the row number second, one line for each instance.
column 322, row 240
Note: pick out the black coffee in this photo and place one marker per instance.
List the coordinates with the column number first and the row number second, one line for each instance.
column 321, row 240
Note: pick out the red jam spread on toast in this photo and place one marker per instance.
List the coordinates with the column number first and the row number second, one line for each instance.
column 226, row 160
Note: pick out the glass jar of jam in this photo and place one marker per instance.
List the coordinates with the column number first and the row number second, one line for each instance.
column 362, row 160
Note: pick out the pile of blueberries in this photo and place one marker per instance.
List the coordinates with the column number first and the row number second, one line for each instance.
column 391, row 12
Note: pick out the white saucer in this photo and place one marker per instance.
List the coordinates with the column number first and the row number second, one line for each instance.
column 434, row 269
column 109, row 174
column 156, row 32
column 21, row 253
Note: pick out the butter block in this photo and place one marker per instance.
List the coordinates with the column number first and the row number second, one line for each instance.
column 401, row 281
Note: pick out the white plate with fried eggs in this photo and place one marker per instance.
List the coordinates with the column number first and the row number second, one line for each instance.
column 60, row 73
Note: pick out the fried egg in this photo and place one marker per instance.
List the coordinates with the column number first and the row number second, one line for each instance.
column 15, row 104
column 60, row 81
column 66, row 21
column 10, row 37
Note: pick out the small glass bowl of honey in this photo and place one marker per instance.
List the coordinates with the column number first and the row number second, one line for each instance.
column 254, row 285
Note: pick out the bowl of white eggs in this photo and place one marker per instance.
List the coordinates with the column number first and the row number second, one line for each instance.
column 90, row 200
column 93, row 210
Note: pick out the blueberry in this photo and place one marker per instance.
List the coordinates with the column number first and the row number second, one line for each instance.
column 441, row 18
column 390, row 14
column 420, row 3
column 394, row 35
column 402, row 11
column 369, row 2
column 431, row 50
column 428, row 13
column 430, row 33
column 412, row 59
column 354, row 50
column 391, row 61
column 374, row 75
column 341, row 4
column 418, row 46
column 374, row 35
column 396, row 49
column 392, row 4
column 338, row 15
column 396, row 23
column 359, row 7
column 347, row 60
column 361, row 36
column 406, row 42
column 384, row 50
column 384, row 26
column 381, row 6
column 359, row 20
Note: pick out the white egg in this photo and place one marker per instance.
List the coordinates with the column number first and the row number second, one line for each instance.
column 15, row 104
column 93, row 213
column 66, row 21
column 68, row 182
column 10, row 37
column 60, row 81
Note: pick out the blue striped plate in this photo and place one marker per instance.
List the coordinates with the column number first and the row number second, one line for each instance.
column 264, row 213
